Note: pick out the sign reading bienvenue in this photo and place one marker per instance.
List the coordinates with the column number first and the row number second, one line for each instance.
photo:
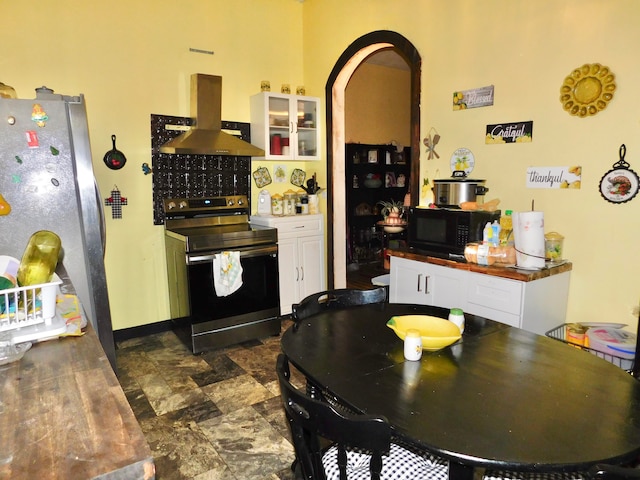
column 478, row 97
column 554, row 177
column 518, row 132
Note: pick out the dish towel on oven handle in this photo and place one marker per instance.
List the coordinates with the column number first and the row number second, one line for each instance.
column 227, row 273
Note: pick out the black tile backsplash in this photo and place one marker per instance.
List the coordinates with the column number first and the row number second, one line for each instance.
column 176, row 175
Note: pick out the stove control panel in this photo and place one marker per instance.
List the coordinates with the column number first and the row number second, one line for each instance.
column 207, row 205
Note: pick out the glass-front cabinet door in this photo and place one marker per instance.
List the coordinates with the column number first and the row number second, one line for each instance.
column 285, row 126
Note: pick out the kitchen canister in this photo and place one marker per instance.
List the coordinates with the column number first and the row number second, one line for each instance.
column 553, row 247
column 290, row 202
column 413, row 345
column 313, row 204
column 277, row 204
column 456, row 316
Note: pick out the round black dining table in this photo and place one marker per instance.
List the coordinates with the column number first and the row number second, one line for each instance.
column 499, row 398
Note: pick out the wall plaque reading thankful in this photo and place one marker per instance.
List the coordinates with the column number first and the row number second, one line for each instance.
column 554, row 177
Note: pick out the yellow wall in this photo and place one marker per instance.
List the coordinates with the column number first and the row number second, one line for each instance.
column 525, row 49
column 377, row 108
column 132, row 59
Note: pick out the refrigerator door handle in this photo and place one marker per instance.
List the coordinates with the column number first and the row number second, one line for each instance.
column 103, row 224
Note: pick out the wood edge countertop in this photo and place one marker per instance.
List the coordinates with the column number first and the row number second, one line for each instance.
column 64, row 415
column 495, row 270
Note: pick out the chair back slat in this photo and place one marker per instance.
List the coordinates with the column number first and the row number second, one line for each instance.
column 339, row 298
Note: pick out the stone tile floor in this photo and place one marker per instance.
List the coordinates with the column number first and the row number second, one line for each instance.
column 211, row 416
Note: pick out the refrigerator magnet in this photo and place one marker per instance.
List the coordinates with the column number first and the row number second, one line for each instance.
column 32, row 139
column 38, row 115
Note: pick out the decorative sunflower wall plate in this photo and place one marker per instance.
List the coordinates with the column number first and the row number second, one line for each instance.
column 620, row 184
column 587, row 90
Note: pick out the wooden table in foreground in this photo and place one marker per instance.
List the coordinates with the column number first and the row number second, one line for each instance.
column 500, row 398
column 63, row 415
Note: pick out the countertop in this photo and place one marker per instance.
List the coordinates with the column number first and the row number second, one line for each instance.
column 496, row 270
column 63, row 415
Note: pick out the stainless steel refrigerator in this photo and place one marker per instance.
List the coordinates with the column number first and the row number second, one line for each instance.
column 47, row 180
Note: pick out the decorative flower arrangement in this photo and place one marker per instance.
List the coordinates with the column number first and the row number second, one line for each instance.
column 392, row 212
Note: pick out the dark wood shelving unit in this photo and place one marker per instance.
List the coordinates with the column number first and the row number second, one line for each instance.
column 374, row 173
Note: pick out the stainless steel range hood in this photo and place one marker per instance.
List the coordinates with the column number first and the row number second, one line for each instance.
column 206, row 136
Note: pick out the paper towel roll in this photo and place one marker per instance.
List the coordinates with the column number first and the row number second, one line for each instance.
column 528, row 230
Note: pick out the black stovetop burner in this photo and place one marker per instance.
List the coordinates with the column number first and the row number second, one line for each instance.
column 214, row 223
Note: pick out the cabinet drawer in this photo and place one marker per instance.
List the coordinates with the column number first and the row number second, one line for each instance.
column 292, row 226
column 495, row 293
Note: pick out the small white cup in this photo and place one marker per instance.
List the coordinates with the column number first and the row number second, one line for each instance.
column 413, row 345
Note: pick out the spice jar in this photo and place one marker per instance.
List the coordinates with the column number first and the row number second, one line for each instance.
column 456, row 315
column 413, row 345
column 277, row 204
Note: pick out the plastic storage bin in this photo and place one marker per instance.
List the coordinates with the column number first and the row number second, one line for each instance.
column 622, row 360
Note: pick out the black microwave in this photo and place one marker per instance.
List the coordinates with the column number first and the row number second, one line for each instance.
column 446, row 231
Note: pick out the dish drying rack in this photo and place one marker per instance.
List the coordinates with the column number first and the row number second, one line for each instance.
column 629, row 365
column 29, row 313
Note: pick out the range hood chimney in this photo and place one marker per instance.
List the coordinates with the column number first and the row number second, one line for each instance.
column 206, row 136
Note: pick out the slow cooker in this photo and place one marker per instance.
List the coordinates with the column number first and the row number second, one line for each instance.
column 452, row 192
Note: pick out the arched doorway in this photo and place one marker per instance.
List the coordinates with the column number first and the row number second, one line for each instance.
column 355, row 54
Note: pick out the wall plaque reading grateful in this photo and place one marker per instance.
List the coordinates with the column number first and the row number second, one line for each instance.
column 515, row 132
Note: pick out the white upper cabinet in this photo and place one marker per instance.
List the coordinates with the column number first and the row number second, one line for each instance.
column 286, row 126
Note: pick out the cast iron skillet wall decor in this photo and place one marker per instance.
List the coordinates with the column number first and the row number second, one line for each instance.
column 620, row 184
column 114, row 158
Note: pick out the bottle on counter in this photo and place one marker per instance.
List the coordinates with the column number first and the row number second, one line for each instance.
column 506, row 228
column 39, row 259
column 495, row 234
column 486, row 233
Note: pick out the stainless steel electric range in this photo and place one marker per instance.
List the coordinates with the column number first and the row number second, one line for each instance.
column 196, row 230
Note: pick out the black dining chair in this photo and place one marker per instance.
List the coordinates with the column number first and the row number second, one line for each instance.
column 339, row 298
column 333, row 299
column 359, row 446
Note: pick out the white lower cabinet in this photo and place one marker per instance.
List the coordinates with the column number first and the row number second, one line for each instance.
column 301, row 262
column 537, row 305
column 426, row 284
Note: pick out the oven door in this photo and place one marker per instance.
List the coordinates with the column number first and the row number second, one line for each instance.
column 258, row 297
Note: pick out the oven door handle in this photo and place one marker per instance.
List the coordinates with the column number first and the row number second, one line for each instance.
column 246, row 253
